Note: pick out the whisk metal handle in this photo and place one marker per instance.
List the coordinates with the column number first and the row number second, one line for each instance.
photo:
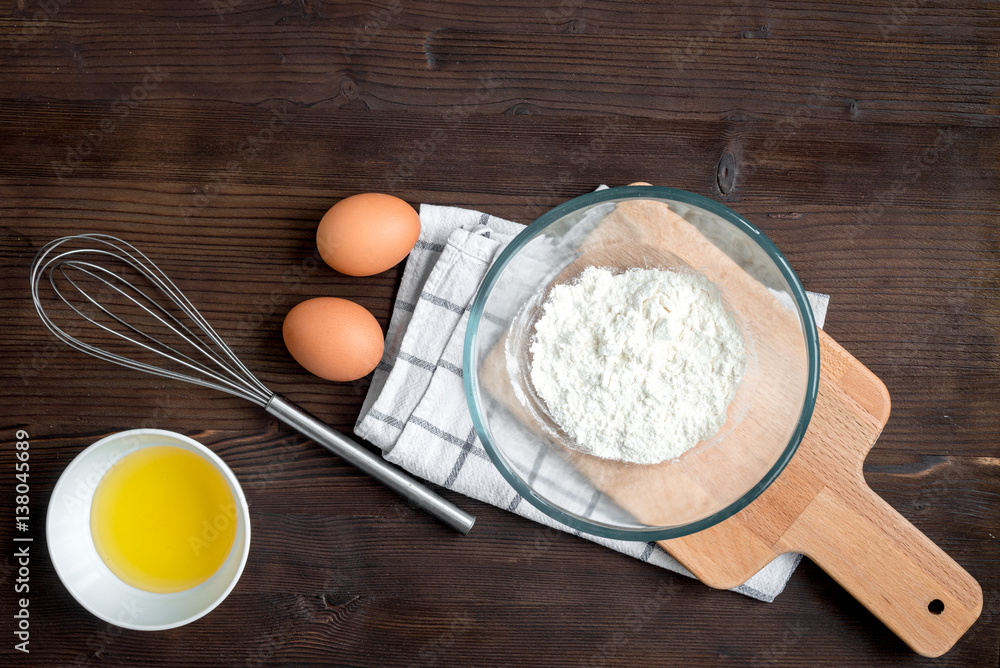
column 340, row 445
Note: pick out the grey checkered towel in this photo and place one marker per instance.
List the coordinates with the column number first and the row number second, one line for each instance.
column 416, row 409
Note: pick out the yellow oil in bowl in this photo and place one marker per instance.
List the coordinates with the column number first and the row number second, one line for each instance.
column 163, row 519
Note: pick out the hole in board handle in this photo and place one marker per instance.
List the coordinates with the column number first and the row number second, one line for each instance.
column 936, row 607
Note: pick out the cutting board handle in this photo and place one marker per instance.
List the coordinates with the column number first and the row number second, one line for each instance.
column 888, row 565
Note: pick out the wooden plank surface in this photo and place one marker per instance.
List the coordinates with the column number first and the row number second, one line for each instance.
column 862, row 138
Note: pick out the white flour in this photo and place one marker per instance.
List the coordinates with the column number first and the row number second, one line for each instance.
column 638, row 366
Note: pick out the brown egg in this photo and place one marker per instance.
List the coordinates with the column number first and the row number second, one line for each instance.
column 367, row 234
column 333, row 338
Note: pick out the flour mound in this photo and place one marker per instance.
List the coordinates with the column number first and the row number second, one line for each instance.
column 637, row 366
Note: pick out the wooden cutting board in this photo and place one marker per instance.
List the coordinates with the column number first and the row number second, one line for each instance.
column 819, row 505
column 822, row 507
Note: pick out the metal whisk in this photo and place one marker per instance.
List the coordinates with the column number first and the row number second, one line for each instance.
column 127, row 304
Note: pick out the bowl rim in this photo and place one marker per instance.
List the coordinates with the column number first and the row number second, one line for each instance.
column 631, row 193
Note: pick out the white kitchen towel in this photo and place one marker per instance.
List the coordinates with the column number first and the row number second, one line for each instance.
column 416, row 410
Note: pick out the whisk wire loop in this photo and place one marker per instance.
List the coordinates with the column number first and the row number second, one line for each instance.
column 226, row 373
column 167, row 320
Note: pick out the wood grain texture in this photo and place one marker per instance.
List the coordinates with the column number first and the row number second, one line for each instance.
column 846, row 20
column 388, row 58
column 863, row 138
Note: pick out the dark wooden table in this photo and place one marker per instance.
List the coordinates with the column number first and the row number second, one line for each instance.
column 862, row 137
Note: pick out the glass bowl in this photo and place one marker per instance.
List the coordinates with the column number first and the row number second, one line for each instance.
column 643, row 227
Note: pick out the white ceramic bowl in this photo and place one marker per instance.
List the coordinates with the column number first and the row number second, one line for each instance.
column 85, row 575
